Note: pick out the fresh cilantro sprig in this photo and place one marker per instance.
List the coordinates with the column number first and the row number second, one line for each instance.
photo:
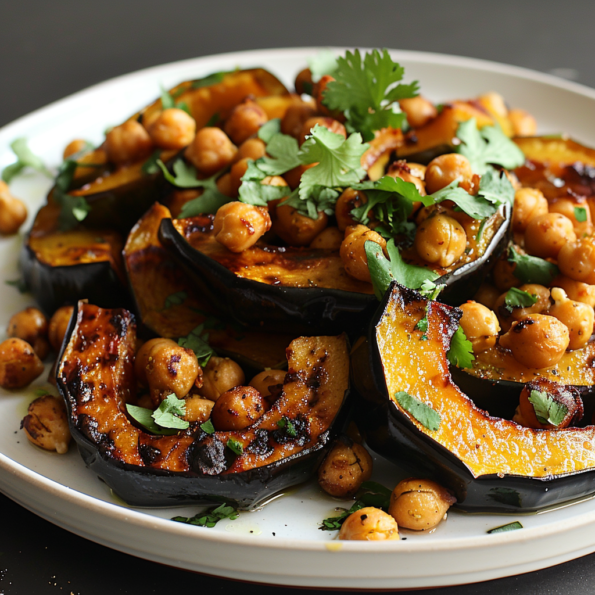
column 517, row 298
column 198, row 341
column 25, row 158
column 73, row 209
column 487, row 146
column 532, row 269
column 460, row 353
column 547, row 410
column 210, row 517
column 366, row 89
column 165, row 419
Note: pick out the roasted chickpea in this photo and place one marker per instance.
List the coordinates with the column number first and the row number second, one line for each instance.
column 304, row 83
column 253, row 148
column 546, row 234
column 440, row 240
column 577, row 260
column 494, row 103
column 419, row 110
column 576, row 290
column 523, row 123
column 369, row 524
column 198, row 409
column 349, row 200
column 220, row 375
column 238, row 225
column 507, row 316
column 238, row 169
column 445, row 169
column 487, row 295
column 238, row 408
column 571, row 208
column 503, row 275
column 578, row 317
column 344, row 469
column 31, row 326
column 319, row 91
column 244, row 121
column 225, row 186
column 328, row 239
column 406, row 175
column 73, row 147
column 263, row 381
column 528, row 204
column 297, row 229
column 294, row 118
column 19, row 364
column 353, row 251
column 13, row 211
column 46, row 424
column 480, row 325
column 172, row 129
column 128, row 142
column 419, row 504
column 210, row 151
column 58, row 325
column 166, row 367
column 330, row 123
column 537, row 340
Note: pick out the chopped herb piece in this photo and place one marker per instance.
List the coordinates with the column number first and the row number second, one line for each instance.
column 509, row 527
column 283, row 154
column 210, row 517
column 167, row 101
column 184, row 175
column 258, row 194
column 430, row 290
column 184, row 107
column 150, row 165
column 487, row 146
column 197, row 340
column 145, row 418
column 212, row 79
column 269, row 129
column 213, row 120
column 285, row 424
column 324, row 62
column 424, row 414
column 208, row 427
column 366, row 90
column 321, row 200
column 167, row 415
column 175, row 299
column 25, row 158
column 517, row 298
column 546, row 409
column 580, row 214
column 18, row 284
column 235, row 446
column 531, row 269
column 460, row 353
column 422, row 325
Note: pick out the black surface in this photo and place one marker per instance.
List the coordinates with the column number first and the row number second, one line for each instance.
column 51, row 49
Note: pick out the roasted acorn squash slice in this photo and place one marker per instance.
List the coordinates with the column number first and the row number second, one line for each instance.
column 95, row 375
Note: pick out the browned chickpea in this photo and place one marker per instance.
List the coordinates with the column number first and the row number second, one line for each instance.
column 46, row 424
column 407, row 176
column 13, row 211
column 198, row 409
column 294, row 118
column 73, row 147
column 503, row 275
column 238, row 225
column 349, row 200
column 578, row 317
column 31, row 326
column 369, row 524
column 507, row 317
column 253, row 148
column 480, row 325
column 297, row 229
column 577, row 260
column 263, row 381
column 537, row 340
column 576, row 290
column 523, row 123
column 328, row 239
column 19, row 364
column 569, row 208
column 149, row 118
column 344, row 469
column 220, row 375
column 445, row 169
column 487, row 295
column 304, row 83
column 353, row 251
column 244, row 121
column 210, row 151
column 127, row 143
column 172, row 129
column 440, row 240
column 238, row 169
column 225, row 186
column 528, row 203
column 494, row 103
column 58, row 326
column 166, row 367
column 330, row 123
column 238, row 408
column 419, row 504
column 419, row 110
column 546, row 234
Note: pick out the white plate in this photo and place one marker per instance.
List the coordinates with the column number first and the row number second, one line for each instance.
column 281, row 543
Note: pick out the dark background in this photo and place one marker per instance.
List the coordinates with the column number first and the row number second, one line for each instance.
column 51, row 49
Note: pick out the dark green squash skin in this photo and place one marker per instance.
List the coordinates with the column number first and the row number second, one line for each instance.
column 150, row 487
column 309, row 309
column 391, row 434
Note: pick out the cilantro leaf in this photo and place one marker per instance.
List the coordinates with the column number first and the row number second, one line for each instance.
column 285, row 424
column 211, row 79
column 495, row 187
column 366, row 91
column 487, row 146
column 580, row 214
column 184, row 175
column 269, row 129
column 517, row 298
column 255, row 193
column 210, row 517
column 25, row 158
column 475, row 206
column 460, row 353
column 423, row 413
column 283, row 154
column 19, row 284
column 235, row 446
column 175, row 299
column 531, row 269
column 324, row 62
column 321, row 199
column 145, row 418
column 508, row 527
column 208, row 427
column 167, row 415
column 150, row 165
column 197, row 340
column 167, row 101
column 547, row 410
